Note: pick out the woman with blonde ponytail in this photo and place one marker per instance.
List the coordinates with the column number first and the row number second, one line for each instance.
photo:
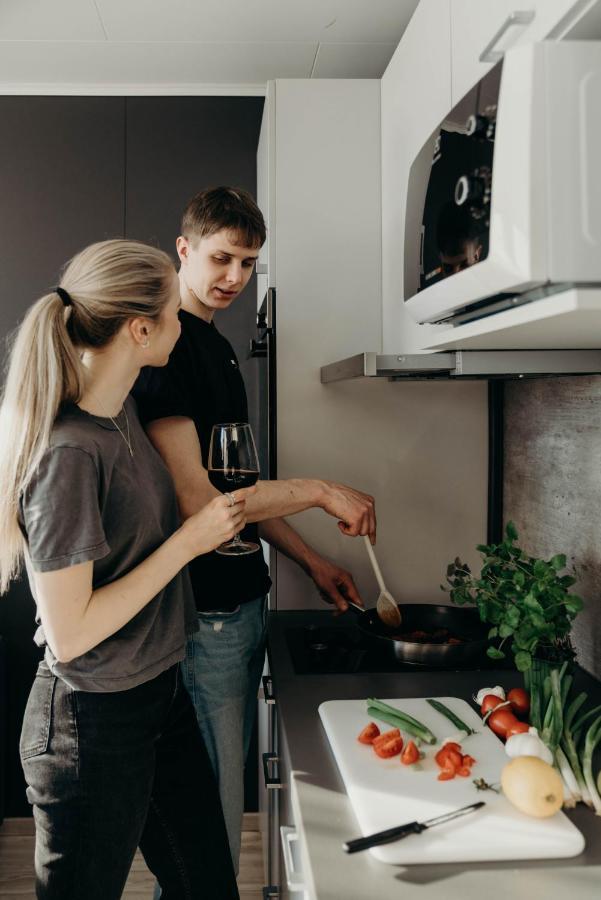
column 110, row 746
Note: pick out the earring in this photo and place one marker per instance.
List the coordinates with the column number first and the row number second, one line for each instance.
column 146, row 344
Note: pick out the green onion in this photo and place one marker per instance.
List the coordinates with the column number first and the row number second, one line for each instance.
column 593, row 736
column 450, row 715
column 401, row 720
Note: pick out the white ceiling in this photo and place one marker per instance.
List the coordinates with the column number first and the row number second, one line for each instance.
column 175, row 45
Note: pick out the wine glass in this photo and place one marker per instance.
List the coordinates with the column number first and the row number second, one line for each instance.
column 233, row 463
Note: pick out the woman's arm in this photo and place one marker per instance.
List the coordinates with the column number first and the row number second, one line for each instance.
column 76, row 618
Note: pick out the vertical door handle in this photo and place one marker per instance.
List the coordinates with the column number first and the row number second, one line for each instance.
column 519, row 17
column 271, row 781
column 295, row 879
column 268, row 690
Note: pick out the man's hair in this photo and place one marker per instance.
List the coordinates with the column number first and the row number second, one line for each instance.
column 224, row 208
column 455, row 228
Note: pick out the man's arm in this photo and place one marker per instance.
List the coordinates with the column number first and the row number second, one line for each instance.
column 176, row 440
column 335, row 585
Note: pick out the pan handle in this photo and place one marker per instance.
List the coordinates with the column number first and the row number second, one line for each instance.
column 355, row 607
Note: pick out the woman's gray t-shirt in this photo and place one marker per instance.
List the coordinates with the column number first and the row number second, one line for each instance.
column 90, row 499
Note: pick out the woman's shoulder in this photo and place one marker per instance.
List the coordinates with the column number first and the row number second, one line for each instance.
column 73, row 430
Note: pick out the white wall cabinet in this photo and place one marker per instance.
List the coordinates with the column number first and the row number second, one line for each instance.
column 419, row 448
column 490, row 28
column 416, row 95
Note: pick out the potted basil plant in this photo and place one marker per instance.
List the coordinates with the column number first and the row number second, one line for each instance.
column 526, row 601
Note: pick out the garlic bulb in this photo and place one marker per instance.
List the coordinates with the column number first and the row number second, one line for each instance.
column 483, row 692
column 528, row 744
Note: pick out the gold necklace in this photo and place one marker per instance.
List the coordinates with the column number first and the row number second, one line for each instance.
column 116, row 424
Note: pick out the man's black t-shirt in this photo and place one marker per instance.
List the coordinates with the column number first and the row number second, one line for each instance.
column 202, row 382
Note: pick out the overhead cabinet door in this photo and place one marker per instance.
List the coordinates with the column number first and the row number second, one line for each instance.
column 481, row 32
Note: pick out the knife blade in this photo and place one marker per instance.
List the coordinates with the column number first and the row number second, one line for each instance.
column 401, row 831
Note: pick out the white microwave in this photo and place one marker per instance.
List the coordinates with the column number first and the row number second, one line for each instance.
column 504, row 199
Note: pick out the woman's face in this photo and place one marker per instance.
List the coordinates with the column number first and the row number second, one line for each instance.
column 164, row 335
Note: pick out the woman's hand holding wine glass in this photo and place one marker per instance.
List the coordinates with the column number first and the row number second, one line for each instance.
column 216, row 522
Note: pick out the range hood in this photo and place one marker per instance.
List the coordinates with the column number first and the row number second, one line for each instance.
column 472, row 364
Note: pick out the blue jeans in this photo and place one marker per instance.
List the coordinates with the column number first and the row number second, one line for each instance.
column 222, row 671
column 107, row 772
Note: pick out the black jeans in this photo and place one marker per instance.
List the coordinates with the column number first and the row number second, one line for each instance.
column 107, row 772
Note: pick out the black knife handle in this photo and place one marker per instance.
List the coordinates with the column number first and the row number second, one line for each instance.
column 383, row 837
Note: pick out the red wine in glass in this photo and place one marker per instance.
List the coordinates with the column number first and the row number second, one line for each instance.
column 233, row 464
column 228, row 480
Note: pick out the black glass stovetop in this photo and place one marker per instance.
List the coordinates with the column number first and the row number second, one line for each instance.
column 335, row 649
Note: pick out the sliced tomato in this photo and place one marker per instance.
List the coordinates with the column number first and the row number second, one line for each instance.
column 388, row 748
column 369, row 734
column 451, row 745
column 449, row 758
column 463, row 771
column 517, row 728
column 446, row 774
column 520, row 701
column 410, row 754
column 387, row 736
column 468, row 760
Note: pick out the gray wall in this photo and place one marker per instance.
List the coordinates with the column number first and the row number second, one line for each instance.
column 553, row 486
column 74, row 170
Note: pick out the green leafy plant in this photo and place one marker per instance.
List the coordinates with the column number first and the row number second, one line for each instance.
column 525, row 600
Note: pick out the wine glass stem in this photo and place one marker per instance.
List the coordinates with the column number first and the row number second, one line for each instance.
column 236, row 538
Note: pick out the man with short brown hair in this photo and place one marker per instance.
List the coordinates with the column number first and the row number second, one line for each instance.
column 222, row 232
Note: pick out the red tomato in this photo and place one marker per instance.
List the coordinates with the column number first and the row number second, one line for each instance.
column 452, row 745
column 520, row 701
column 490, row 701
column 518, row 728
column 369, row 733
column 410, row 754
column 500, row 720
column 385, row 749
column 446, row 775
column 387, row 736
column 463, row 771
column 469, row 760
column 449, row 758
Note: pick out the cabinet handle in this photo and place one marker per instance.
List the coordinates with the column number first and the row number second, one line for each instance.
column 271, row 893
column 268, row 690
column 519, row 17
column 271, row 782
column 295, row 879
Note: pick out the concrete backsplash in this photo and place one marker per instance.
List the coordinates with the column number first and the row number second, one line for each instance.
column 553, row 486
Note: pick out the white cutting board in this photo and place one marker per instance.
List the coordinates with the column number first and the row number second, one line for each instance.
column 384, row 793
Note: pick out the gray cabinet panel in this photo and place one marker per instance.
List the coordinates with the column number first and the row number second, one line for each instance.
column 177, row 146
column 61, row 188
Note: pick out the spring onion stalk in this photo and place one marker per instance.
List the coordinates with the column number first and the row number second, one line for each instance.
column 571, row 791
column 568, row 746
column 593, row 737
column 378, row 710
column 450, row 715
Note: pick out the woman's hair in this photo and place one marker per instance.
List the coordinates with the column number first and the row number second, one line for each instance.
column 106, row 284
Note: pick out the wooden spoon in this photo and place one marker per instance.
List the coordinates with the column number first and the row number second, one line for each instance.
column 386, row 607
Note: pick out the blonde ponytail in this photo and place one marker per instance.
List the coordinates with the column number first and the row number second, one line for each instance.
column 108, row 283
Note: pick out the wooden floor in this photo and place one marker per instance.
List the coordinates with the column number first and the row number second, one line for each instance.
column 16, row 864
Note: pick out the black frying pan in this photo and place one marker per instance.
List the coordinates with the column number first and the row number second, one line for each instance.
column 429, row 617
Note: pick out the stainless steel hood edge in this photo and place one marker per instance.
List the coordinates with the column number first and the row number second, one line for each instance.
column 464, row 364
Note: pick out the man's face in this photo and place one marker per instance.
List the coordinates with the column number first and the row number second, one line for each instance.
column 468, row 257
column 215, row 269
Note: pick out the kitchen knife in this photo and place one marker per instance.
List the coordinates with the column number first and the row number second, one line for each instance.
column 401, row 831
